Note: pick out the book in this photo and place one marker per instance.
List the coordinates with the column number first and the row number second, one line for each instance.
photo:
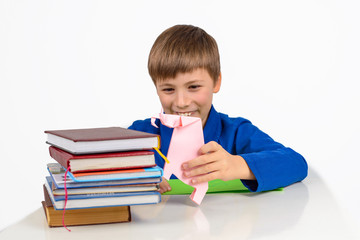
column 58, row 180
column 102, row 161
column 104, row 189
column 117, row 174
column 99, row 140
column 88, row 216
column 82, row 201
column 215, row 186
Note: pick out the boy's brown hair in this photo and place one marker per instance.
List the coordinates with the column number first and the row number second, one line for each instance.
column 182, row 49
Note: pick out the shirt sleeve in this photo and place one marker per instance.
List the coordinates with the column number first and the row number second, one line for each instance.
column 144, row 126
column 273, row 164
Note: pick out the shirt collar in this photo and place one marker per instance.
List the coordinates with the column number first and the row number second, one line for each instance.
column 213, row 126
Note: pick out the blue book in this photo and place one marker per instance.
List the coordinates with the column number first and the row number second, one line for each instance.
column 153, row 172
column 59, row 177
column 81, row 201
column 104, row 189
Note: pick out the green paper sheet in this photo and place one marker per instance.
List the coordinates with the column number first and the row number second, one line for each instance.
column 215, row 186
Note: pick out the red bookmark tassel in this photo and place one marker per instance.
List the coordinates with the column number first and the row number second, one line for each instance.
column 66, row 198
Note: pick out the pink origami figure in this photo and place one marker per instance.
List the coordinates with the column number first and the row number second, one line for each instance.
column 186, row 140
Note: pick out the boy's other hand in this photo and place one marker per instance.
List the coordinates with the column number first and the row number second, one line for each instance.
column 216, row 163
column 164, row 186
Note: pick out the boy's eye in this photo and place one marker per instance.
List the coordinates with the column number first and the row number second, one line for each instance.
column 168, row 90
column 194, row 87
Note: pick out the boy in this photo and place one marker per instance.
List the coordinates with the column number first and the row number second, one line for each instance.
column 184, row 65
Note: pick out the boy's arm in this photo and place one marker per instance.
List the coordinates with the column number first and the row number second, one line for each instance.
column 273, row 164
column 261, row 163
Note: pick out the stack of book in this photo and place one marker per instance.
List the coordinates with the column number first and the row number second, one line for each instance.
column 98, row 174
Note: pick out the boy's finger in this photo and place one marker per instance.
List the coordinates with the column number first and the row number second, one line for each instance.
column 201, row 160
column 209, row 147
column 201, row 170
column 164, row 186
column 204, row 178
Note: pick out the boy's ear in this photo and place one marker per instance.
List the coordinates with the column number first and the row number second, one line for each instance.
column 217, row 84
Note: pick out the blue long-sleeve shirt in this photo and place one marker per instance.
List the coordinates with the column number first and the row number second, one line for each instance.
column 272, row 164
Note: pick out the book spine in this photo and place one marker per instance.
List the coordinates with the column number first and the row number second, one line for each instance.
column 60, row 157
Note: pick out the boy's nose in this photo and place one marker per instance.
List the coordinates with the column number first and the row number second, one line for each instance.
column 181, row 100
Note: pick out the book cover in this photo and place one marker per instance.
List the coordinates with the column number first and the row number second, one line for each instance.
column 103, row 161
column 97, row 140
column 88, row 216
column 82, row 201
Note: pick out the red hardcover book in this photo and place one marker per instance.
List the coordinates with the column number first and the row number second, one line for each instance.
column 103, row 161
column 97, row 140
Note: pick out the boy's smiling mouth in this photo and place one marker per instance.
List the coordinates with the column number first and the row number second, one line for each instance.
column 186, row 114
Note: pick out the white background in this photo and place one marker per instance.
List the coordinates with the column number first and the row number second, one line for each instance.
column 291, row 67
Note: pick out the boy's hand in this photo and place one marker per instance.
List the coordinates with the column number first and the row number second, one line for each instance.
column 164, row 186
column 216, row 163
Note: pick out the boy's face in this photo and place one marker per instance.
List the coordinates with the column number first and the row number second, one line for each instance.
column 188, row 94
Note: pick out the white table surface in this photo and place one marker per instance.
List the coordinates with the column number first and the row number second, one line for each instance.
column 305, row 210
